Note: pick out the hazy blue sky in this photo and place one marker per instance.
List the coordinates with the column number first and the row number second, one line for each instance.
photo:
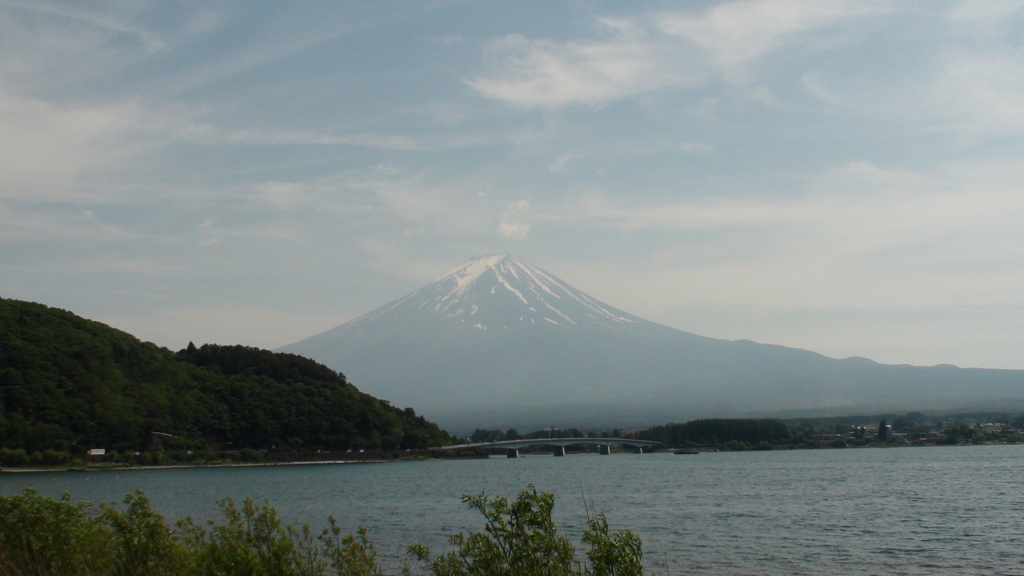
column 845, row 177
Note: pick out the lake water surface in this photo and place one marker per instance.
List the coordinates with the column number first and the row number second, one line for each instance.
column 948, row 510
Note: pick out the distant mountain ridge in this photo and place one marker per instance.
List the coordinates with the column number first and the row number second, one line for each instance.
column 499, row 342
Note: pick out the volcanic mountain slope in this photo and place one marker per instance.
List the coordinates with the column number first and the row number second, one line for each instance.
column 498, row 342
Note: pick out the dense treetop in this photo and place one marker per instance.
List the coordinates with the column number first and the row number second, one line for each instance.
column 71, row 384
column 713, row 431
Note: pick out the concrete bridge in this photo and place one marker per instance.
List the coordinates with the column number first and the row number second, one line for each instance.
column 511, row 447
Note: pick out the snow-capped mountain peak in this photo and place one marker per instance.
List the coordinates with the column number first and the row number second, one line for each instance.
column 502, row 292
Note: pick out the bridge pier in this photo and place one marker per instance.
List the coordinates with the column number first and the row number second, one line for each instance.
column 559, row 450
column 605, row 449
column 638, row 449
column 512, row 453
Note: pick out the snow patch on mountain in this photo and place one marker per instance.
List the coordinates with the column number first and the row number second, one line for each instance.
column 501, row 292
column 531, row 286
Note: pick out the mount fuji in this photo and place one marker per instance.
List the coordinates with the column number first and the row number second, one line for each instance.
column 498, row 343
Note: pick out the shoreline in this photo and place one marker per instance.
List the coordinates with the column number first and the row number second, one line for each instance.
column 114, row 468
column 189, row 466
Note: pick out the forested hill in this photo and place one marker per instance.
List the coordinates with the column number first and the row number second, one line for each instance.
column 72, row 384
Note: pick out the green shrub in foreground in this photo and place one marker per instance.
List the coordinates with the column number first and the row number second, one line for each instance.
column 45, row 536
column 520, row 537
column 54, row 537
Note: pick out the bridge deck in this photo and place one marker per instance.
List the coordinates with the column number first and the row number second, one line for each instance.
column 517, row 444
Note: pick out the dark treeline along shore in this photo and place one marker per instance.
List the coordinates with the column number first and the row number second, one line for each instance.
column 70, row 386
column 77, row 392
column 739, row 434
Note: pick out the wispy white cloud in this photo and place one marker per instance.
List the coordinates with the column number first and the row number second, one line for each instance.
column 731, row 35
column 282, row 195
column 980, row 91
column 50, row 47
column 513, row 224
column 969, row 81
column 49, row 149
column 25, row 222
column 559, row 165
column 653, row 51
column 983, row 16
column 529, row 73
column 453, row 209
column 208, row 134
column 116, row 21
column 130, row 266
column 665, row 145
column 858, row 215
column 967, row 91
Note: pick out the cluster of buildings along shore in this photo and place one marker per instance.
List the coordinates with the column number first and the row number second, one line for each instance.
column 996, row 432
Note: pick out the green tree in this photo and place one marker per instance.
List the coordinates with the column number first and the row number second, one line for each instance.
column 40, row 535
column 351, row 554
column 957, row 431
column 142, row 544
column 883, row 430
column 68, row 384
column 251, row 542
column 480, row 435
column 612, row 553
column 520, row 537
